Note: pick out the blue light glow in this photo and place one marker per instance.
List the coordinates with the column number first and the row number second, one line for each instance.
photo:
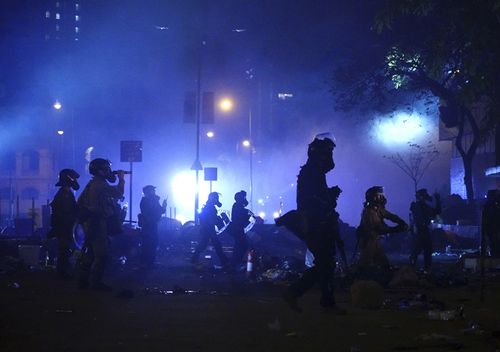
column 401, row 128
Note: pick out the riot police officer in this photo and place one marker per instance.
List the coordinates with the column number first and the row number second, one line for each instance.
column 151, row 212
column 63, row 219
column 240, row 217
column 316, row 204
column 97, row 206
column 209, row 220
column 372, row 226
column 422, row 214
column 490, row 224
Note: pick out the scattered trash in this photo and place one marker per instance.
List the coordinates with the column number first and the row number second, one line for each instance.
column 275, row 325
column 125, row 294
column 367, row 294
column 390, row 327
column 14, row 285
column 64, row 311
column 473, row 329
column 445, row 314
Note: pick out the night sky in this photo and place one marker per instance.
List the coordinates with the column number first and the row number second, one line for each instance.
column 127, row 75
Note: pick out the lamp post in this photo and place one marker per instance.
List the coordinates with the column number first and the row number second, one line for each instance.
column 226, row 104
column 58, row 107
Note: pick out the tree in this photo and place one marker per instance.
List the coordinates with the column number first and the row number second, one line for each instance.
column 448, row 49
column 416, row 162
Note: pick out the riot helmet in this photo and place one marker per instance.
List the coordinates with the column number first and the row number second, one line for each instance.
column 149, row 189
column 422, row 194
column 375, row 196
column 319, row 152
column 102, row 168
column 213, row 198
column 241, row 198
column 68, row 177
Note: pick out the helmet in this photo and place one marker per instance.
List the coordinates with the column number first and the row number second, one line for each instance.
column 241, row 198
column 422, row 194
column 148, row 188
column 320, row 151
column 375, row 195
column 213, row 198
column 68, row 177
column 102, row 167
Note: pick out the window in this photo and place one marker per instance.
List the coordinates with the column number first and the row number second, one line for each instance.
column 77, row 18
column 58, row 4
column 29, row 193
column 77, row 7
column 58, row 16
column 47, row 14
column 30, row 162
column 77, row 30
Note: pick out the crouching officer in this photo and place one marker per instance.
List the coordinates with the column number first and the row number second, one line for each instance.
column 372, row 226
column 96, row 206
column 63, row 219
column 151, row 212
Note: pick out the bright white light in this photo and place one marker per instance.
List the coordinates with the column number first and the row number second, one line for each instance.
column 400, row 129
column 57, row 105
column 226, row 104
column 246, row 143
column 262, row 214
column 260, row 201
column 183, row 190
column 276, row 214
column 181, row 218
column 210, row 134
column 60, row 132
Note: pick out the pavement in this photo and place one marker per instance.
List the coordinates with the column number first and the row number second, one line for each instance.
column 180, row 307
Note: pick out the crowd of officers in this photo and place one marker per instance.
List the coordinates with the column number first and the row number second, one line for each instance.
column 315, row 221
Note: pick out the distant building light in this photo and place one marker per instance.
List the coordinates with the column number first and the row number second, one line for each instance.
column 58, row 16
column 77, row 18
column 77, row 6
column 276, row 214
column 57, row 105
column 76, row 39
column 261, row 201
column 492, row 171
column 58, row 4
column 284, row 96
column 60, row 132
column 47, row 14
column 77, row 30
column 210, row 134
column 262, row 214
column 57, row 28
column 246, row 143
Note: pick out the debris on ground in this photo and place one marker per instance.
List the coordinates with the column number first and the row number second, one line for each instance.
column 367, row 294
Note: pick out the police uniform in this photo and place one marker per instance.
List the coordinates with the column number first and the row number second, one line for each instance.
column 422, row 214
column 63, row 220
column 97, row 206
column 151, row 212
column 371, row 227
column 239, row 220
column 209, row 220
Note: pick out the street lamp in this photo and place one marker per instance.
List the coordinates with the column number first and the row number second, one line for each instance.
column 226, row 105
column 58, row 106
